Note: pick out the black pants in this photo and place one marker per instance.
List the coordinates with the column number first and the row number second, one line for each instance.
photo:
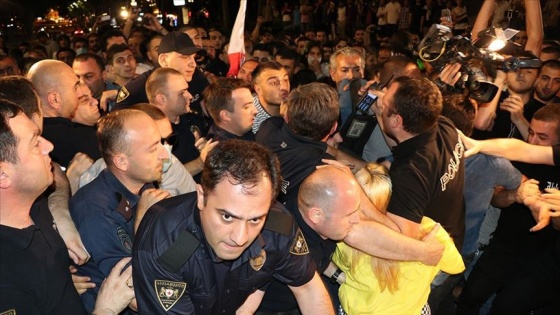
column 521, row 284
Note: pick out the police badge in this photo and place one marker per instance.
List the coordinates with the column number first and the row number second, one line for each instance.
column 299, row 246
column 169, row 292
column 257, row 262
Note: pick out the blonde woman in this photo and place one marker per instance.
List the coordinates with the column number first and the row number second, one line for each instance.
column 379, row 286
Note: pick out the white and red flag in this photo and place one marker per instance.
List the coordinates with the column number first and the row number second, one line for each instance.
column 236, row 50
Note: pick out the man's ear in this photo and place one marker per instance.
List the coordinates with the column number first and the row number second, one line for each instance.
column 257, row 89
column 161, row 99
column 121, row 161
column 54, row 99
column 5, row 180
column 199, row 196
column 162, row 60
column 225, row 115
column 315, row 215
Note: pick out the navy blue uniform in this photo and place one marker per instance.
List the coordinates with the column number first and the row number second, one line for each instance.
column 103, row 212
column 199, row 282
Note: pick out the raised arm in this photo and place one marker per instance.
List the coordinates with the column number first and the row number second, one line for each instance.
column 534, row 26
column 483, row 17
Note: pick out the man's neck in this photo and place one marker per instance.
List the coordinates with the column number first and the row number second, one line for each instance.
column 535, row 96
column 272, row 110
column 14, row 211
column 132, row 185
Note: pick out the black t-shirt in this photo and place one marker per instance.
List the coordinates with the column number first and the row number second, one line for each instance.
column 428, row 177
column 216, row 134
column 503, row 127
column 34, row 276
column 512, row 233
column 70, row 138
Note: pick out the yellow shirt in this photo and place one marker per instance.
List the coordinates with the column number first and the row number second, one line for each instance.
column 361, row 293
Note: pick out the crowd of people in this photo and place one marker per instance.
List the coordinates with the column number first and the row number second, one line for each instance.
column 339, row 171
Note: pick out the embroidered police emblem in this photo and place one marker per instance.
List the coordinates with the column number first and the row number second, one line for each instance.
column 122, row 95
column 257, row 262
column 299, row 246
column 169, row 292
column 9, row 312
column 125, row 240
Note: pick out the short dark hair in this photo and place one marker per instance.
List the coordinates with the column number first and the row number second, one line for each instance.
column 312, row 110
column 86, row 56
column 78, row 40
column 111, row 133
column 262, row 47
column 418, row 102
column 265, row 66
column 218, row 95
column 241, row 163
column 553, row 64
column 109, row 34
column 289, row 54
column 8, row 140
column 66, row 49
column 549, row 113
column 460, row 111
column 20, row 90
column 115, row 49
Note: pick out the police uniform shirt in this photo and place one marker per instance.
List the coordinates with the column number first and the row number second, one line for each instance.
column 299, row 156
column 34, row 276
column 133, row 92
column 70, row 138
column 278, row 297
column 192, row 280
column 103, row 212
column 428, row 177
column 217, row 134
column 184, row 149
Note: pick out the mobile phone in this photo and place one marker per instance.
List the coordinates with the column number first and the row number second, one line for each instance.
column 368, row 99
column 446, row 13
column 105, row 17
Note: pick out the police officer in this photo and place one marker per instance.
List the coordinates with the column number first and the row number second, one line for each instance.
column 212, row 252
column 105, row 209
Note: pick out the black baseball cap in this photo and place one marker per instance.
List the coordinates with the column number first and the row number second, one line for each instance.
column 177, row 42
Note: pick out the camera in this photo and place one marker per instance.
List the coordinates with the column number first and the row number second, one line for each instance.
column 439, row 48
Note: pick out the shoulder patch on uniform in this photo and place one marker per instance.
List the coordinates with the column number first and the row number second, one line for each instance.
column 169, row 292
column 126, row 242
column 9, row 312
column 299, row 246
column 257, row 262
column 122, row 95
column 278, row 221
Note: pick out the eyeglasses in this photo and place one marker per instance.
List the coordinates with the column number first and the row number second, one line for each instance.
column 170, row 140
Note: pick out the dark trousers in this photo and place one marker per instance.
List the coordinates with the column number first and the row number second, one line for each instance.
column 522, row 284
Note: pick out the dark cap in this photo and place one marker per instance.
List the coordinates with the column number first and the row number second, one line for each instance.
column 177, row 42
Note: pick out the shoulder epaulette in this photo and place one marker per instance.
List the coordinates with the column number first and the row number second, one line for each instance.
column 279, row 222
column 179, row 252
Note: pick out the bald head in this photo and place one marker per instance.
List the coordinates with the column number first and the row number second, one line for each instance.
column 329, row 202
column 323, row 188
column 57, row 86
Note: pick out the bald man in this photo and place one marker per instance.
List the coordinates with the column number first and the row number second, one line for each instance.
column 59, row 90
column 331, row 208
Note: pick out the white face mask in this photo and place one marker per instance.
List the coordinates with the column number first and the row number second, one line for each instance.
column 167, row 162
column 80, row 51
column 311, row 59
